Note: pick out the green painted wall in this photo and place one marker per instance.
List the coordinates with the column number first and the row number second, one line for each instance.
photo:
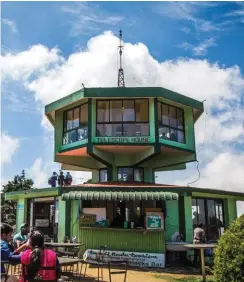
column 123, row 240
column 95, row 176
column 217, row 196
column 188, row 218
column 148, row 175
column 172, row 219
column 21, row 212
column 232, row 210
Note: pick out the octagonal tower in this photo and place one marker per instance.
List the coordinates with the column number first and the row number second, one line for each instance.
column 124, row 134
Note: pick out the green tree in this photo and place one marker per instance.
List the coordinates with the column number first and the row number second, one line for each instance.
column 9, row 208
column 229, row 255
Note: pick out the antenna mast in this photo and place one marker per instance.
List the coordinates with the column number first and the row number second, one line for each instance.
column 121, row 80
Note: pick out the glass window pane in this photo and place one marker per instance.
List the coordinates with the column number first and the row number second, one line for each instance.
column 103, row 111
column 82, row 133
column 164, row 133
column 172, row 116
column 104, row 130
column 211, row 212
column 129, row 129
column 142, row 110
column 103, row 174
column 172, row 134
column 127, row 174
column 194, row 212
column 165, row 114
column 159, row 113
column 138, row 174
column 70, row 137
column 69, row 120
column 180, row 136
column 116, row 111
column 142, row 129
column 201, row 211
column 180, row 119
column 76, row 121
column 84, row 114
column 117, row 130
column 128, row 110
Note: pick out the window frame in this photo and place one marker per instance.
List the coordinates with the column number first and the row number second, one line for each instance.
column 133, row 168
column 122, row 122
column 65, row 131
column 216, row 202
column 162, row 125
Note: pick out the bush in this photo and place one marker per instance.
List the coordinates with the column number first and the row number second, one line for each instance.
column 229, row 255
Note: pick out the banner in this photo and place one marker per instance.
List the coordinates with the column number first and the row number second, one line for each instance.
column 132, row 258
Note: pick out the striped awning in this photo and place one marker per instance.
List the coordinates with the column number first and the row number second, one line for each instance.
column 119, row 195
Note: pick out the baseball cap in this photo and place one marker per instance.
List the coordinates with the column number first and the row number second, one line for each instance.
column 24, row 225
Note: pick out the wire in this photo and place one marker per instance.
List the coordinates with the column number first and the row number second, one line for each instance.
column 199, row 175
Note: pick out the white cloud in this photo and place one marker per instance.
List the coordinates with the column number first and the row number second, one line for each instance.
column 35, row 60
column 9, row 146
column 89, row 17
column 11, row 24
column 201, row 49
column 219, row 134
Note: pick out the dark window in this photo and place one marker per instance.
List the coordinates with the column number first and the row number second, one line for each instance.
column 122, row 118
column 171, row 123
column 130, row 174
column 75, row 124
column 103, row 175
column 210, row 213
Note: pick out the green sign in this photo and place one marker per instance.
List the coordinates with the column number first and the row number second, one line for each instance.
column 123, row 140
column 154, row 220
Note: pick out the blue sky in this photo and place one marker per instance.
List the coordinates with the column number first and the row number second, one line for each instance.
column 195, row 48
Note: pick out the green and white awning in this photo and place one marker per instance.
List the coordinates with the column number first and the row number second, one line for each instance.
column 121, row 195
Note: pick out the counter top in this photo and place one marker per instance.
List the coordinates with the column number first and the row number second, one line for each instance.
column 123, row 229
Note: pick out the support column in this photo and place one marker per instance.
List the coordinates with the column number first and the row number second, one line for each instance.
column 75, row 215
column 172, row 219
column 232, row 210
column 62, row 220
column 21, row 213
column 31, row 212
column 188, row 218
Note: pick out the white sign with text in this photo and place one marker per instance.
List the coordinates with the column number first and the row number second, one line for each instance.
column 132, row 258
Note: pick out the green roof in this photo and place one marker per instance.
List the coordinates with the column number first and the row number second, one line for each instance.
column 119, row 92
column 120, row 195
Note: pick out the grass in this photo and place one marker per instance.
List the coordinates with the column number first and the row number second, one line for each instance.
column 168, row 278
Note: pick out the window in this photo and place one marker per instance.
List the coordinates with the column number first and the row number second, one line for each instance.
column 103, row 175
column 130, row 174
column 122, row 118
column 171, row 123
column 75, row 124
column 210, row 213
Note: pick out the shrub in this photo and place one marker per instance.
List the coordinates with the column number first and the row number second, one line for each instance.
column 229, row 255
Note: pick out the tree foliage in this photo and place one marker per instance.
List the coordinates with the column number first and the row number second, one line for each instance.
column 9, row 208
column 229, row 255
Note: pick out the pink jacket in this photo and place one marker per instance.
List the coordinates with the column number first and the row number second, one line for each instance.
column 48, row 260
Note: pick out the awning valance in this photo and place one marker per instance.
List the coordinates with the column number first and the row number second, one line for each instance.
column 122, row 195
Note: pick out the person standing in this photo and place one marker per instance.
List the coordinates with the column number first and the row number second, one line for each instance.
column 21, row 237
column 199, row 237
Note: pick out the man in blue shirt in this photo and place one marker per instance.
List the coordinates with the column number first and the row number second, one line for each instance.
column 21, row 237
column 6, row 237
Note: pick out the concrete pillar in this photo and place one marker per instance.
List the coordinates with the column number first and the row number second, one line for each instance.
column 21, row 213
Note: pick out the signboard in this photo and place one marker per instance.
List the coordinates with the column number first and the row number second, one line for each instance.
column 154, row 220
column 87, row 220
column 132, row 258
column 125, row 140
column 42, row 222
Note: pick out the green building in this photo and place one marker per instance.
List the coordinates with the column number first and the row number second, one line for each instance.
column 123, row 136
